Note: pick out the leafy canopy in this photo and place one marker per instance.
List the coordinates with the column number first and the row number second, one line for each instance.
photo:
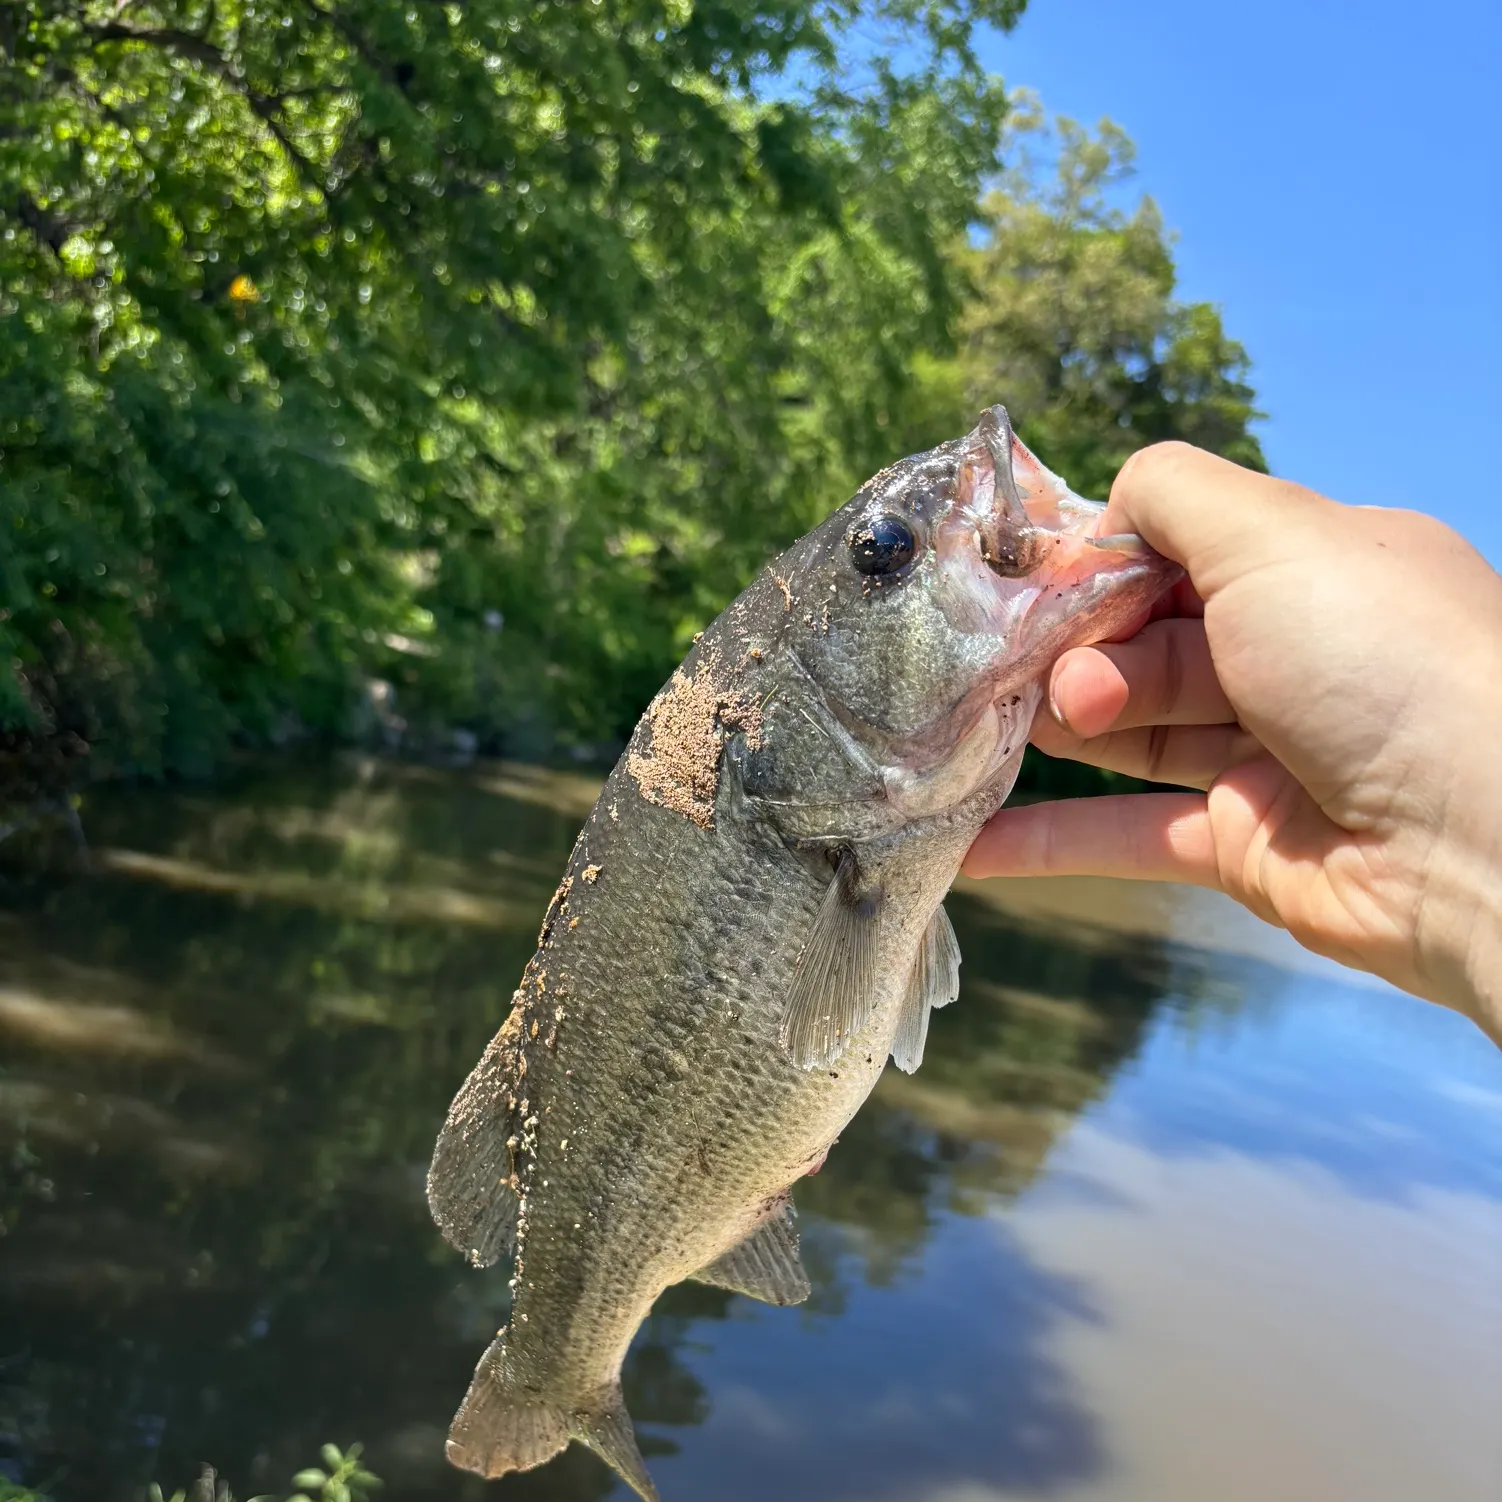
column 1072, row 320
column 312, row 311
column 487, row 349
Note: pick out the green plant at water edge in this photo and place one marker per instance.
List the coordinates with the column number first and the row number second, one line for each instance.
column 343, row 1480
column 11, row 1492
column 340, row 1479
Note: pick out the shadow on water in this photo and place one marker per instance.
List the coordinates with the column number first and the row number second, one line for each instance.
column 225, row 1055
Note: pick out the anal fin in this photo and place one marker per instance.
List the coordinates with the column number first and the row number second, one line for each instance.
column 935, row 982
column 834, row 984
column 493, row 1433
column 764, row 1266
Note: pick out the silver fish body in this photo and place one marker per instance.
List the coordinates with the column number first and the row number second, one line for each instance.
column 751, row 922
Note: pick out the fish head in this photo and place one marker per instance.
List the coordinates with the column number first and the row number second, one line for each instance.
column 935, row 601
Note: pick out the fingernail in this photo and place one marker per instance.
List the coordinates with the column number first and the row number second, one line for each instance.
column 1054, row 708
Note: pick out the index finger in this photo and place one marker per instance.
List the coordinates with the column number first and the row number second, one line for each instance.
column 1138, row 836
column 1216, row 518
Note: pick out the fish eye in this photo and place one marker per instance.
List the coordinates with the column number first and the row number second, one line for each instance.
column 882, row 545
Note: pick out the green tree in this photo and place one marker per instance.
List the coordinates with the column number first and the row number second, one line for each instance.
column 1068, row 315
column 327, row 331
column 1072, row 318
column 1072, row 321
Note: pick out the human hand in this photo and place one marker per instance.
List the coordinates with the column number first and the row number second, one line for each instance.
column 1331, row 677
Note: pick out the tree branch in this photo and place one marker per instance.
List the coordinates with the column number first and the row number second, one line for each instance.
column 46, row 227
column 192, row 45
column 186, row 43
column 265, row 110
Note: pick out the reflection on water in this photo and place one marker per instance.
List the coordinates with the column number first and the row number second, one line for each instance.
column 1155, row 1219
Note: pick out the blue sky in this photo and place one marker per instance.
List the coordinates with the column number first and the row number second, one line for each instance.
column 1334, row 172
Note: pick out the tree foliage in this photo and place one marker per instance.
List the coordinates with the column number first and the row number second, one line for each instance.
column 488, row 348
column 1072, row 320
column 317, row 317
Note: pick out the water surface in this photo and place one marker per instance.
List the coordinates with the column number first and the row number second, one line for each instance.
column 1170, row 1212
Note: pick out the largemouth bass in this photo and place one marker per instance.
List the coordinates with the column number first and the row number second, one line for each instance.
column 751, row 922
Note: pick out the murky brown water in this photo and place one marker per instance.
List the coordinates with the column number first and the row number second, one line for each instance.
column 1171, row 1212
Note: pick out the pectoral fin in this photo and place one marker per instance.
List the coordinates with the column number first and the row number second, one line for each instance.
column 765, row 1265
column 935, row 982
column 834, row 985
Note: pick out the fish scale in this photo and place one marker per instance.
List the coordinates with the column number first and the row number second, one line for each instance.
column 732, row 1071
column 751, row 921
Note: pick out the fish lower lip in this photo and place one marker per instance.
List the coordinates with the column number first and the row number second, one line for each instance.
column 1100, row 604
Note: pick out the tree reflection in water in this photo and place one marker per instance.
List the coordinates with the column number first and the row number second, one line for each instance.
column 225, row 1057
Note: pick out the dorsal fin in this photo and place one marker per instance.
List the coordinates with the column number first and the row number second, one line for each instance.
column 935, row 982
column 834, row 984
column 472, row 1178
column 764, row 1266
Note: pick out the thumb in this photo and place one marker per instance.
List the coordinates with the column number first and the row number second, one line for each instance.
column 1216, row 518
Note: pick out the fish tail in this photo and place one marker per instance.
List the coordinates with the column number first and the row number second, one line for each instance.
column 499, row 1429
column 606, row 1428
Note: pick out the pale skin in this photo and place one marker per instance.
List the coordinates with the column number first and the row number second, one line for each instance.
column 1328, row 681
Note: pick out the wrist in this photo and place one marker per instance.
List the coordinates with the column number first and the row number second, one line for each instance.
column 1460, row 926
column 1484, row 966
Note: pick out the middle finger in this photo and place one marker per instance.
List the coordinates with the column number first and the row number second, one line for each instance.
column 1187, row 755
column 1163, row 676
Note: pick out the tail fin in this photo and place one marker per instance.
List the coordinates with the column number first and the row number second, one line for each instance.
column 607, row 1431
column 496, row 1431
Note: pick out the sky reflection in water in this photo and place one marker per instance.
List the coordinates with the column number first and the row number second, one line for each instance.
column 1154, row 1221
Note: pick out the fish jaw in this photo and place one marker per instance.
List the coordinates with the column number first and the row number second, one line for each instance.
column 920, row 783
column 1019, row 557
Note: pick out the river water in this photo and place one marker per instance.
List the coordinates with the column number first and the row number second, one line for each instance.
column 1171, row 1213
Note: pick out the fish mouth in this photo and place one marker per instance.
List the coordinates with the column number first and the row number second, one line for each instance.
column 1020, row 558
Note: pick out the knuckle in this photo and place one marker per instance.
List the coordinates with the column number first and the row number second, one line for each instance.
column 1158, row 738
column 1417, row 528
column 1171, row 674
column 1147, row 467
